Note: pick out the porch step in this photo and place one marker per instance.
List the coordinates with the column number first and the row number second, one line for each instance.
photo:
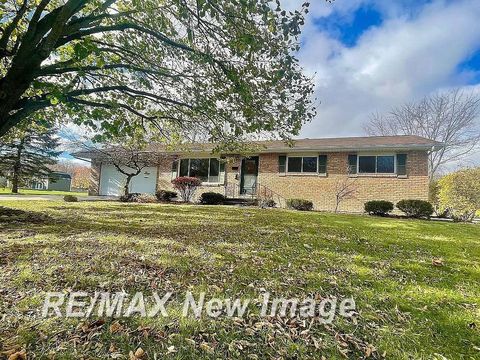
column 239, row 201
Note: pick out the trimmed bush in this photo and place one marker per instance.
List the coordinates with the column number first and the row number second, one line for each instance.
column 267, row 203
column 300, row 204
column 138, row 198
column 378, row 207
column 70, row 198
column 212, row 198
column 186, row 186
column 165, row 195
column 416, row 208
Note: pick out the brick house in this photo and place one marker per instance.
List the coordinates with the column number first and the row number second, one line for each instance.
column 378, row 168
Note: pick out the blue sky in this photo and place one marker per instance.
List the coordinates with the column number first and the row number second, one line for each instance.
column 368, row 56
column 347, row 28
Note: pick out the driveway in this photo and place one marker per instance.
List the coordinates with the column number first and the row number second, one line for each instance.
column 54, row 198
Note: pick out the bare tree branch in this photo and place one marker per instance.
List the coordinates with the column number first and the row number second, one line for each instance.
column 451, row 118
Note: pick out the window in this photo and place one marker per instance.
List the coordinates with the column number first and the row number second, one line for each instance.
column 310, row 164
column 366, row 164
column 207, row 170
column 302, row 164
column 295, row 164
column 386, row 164
column 380, row 164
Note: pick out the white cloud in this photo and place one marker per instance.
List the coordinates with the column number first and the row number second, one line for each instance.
column 406, row 57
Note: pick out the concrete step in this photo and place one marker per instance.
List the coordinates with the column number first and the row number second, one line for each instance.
column 239, row 201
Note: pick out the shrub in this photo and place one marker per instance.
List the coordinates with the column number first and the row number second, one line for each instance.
column 212, row 198
column 138, row 198
column 186, row 186
column 165, row 195
column 267, row 203
column 300, row 204
column 460, row 194
column 378, row 207
column 416, row 208
column 70, row 198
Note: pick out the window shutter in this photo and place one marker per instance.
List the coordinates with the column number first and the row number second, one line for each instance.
column 222, row 172
column 401, row 164
column 282, row 164
column 322, row 164
column 174, row 169
column 352, row 164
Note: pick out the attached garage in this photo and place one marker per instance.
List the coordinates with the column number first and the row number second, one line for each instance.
column 112, row 181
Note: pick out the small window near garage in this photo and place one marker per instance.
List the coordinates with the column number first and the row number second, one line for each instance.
column 207, row 170
column 184, row 167
column 199, row 169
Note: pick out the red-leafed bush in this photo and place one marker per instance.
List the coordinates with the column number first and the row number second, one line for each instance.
column 186, row 187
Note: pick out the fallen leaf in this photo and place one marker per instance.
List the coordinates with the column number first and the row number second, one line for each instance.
column 20, row 355
column 139, row 353
column 115, row 327
column 207, row 348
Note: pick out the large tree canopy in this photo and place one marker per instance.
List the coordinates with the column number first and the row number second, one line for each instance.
column 218, row 66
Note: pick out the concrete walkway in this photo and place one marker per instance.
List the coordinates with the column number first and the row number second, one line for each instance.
column 54, row 198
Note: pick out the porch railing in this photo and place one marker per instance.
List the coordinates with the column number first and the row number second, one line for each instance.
column 265, row 193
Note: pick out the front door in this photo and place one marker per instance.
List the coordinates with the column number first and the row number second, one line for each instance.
column 248, row 181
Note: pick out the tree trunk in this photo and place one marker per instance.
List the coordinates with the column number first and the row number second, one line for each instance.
column 17, row 167
column 15, row 182
column 126, row 191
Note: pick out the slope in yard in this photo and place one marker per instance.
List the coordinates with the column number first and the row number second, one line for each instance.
column 416, row 284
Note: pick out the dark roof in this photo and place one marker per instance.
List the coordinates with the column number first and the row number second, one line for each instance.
column 356, row 143
column 60, row 175
column 366, row 143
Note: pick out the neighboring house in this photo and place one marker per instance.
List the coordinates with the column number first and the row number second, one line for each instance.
column 381, row 168
column 3, row 182
column 55, row 181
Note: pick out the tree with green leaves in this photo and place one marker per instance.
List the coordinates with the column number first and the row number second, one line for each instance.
column 27, row 152
column 459, row 193
column 221, row 67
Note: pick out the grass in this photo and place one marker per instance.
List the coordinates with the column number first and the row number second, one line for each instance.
column 7, row 191
column 408, row 308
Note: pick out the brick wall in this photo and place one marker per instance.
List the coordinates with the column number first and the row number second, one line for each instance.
column 318, row 188
column 322, row 189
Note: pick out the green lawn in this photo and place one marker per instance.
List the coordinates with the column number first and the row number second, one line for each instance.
column 408, row 308
column 7, row 191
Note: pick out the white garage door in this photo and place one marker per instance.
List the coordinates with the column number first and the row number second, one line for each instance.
column 113, row 181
